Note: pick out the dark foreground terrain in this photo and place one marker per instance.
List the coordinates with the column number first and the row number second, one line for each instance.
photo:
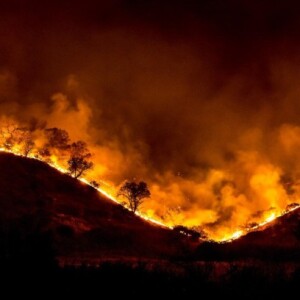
column 249, row 280
column 59, row 237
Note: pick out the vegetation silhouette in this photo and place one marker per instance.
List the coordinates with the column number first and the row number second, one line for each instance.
column 135, row 193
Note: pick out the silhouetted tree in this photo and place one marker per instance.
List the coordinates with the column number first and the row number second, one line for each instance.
column 79, row 160
column 134, row 193
column 11, row 134
column 57, row 138
column 25, row 140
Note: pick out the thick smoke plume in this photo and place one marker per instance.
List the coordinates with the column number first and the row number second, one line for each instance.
column 199, row 100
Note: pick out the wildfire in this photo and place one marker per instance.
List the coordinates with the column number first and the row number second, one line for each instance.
column 216, row 141
column 236, row 235
column 54, row 164
column 272, row 217
column 109, row 193
column 263, row 179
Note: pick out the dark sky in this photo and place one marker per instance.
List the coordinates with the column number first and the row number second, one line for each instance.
column 172, row 87
column 49, row 41
column 195, row 68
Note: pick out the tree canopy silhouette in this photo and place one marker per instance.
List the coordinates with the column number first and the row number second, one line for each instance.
column 25, row 140
column 79, row 160
column 135, row 193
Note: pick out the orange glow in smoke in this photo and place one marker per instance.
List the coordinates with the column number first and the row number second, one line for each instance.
column 110, row 193
column 225, row 204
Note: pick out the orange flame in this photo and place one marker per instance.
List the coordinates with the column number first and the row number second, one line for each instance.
column 260, row 201
column 110, row 193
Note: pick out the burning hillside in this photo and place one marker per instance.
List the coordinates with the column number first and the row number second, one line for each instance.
column 44, row 213
column 36, row 199
column 277, row 240
column 53, row 146
column 198, row 99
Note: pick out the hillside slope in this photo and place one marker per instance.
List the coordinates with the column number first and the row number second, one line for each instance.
column 83, row 224
column 278, row 240
column 86, row 227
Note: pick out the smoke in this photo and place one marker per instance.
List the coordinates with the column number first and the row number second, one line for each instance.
column 199, row 100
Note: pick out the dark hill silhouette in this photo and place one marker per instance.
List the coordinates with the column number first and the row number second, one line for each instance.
column 46, row 215
column 83, row 224
column 86, row 227
column 278, row 240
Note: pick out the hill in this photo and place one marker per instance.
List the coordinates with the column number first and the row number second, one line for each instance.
column 47, row 216
column 82, row 224
column 278, row 240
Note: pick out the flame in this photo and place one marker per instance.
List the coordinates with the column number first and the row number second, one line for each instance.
column 237, row 234
column 211, row 138
column 263, row 199
column 271, row 218
column 110, row 193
